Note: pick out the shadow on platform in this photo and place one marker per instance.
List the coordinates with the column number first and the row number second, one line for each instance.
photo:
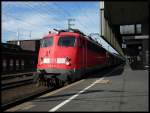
column 111, row 71
column 60, row 97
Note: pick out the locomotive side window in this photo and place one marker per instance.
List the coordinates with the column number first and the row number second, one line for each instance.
column 66, row 41
column 46, row 42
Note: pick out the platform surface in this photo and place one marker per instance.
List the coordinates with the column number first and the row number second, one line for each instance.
column 118, row 89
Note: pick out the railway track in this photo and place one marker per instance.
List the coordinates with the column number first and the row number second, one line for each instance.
column 17, row 88
column 16, row 80
column 28, row 96
column 7, row 104
column 28, row 92
column 11, row 76
column 7, row 86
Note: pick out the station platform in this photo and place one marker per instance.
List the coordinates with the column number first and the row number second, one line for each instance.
column 117, row 89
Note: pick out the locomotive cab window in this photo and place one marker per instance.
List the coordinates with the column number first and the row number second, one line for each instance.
column 67, row 41
column 46, row 42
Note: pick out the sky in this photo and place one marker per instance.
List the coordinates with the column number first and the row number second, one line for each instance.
column 33, row 20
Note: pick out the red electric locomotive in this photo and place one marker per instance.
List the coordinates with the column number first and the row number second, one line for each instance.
column 67, row 56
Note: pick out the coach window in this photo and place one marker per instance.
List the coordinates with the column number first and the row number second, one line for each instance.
column 46, row 42
column 66, row 41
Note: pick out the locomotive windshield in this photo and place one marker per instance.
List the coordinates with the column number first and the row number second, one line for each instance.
column 66, row 41
column 46, row 42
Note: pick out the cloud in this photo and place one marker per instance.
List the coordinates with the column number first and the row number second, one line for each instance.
column 40, row 23
column 88, row 21
column 18, row 4
column 38, row 18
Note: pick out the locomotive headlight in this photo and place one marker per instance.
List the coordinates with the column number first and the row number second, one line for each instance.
column 67, row 62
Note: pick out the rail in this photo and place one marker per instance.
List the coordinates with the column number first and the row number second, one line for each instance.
column 10, row 76
column 16, row 80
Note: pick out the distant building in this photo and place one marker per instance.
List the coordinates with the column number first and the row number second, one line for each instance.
column 32, row 45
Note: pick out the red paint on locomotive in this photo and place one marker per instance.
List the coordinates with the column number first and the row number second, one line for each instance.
column 72, row 54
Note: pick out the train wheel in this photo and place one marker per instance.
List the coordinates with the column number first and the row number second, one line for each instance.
column 48, row 82
column 60, row 82
column 38, row 83
column 83, row 76
column 68, row 81
column 57, row 82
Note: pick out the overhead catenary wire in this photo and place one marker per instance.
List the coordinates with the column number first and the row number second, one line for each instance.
column 64, row 11
column 39, row 13
column 19, row 19
column 16, row 18
column 22, row 21
column 68, row 14
column 47, row 11
column 86, row 15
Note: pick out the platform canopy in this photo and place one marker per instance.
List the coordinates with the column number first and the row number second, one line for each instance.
column 126, row 12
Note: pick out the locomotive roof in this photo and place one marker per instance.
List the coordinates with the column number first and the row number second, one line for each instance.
column 72, row 33
column 75, row 32
column 63, row 32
